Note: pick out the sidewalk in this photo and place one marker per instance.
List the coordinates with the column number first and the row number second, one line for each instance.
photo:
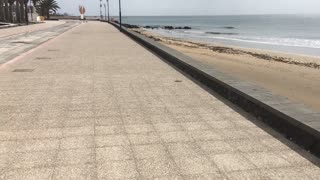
column 93, row 104
column 12, row 46
column 30, row 28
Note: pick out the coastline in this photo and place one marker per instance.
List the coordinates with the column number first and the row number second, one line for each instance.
column 293, row 76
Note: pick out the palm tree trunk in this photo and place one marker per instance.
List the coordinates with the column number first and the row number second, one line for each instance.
column 17, row 8
column 48, row 14
column 21, row 7
column 10, row 13
column 6, row 10
column 31, row 13
column 26, row 13
column 1, row 11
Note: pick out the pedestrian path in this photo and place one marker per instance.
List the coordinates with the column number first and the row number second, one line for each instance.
column 6, row 32
column 93, row 104
column 14, row 45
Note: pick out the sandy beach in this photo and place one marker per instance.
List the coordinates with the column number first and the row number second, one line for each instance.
column 293, row 76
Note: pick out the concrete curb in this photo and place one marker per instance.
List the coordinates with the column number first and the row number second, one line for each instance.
column 18, row 25
column 294, row 121
column 8, row 26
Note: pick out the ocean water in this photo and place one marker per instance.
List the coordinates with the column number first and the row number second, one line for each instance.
column 299, row 34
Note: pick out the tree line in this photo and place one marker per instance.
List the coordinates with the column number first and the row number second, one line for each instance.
column 16, row 11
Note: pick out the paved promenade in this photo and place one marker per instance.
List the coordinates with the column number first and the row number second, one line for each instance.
column 6, row 32
column 93, row 104
column 22, row 39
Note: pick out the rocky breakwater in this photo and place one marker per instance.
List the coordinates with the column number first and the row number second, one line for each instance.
column 132, row 26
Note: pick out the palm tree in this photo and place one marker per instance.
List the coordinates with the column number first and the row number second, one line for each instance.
column 1, row 11
column 22, row 16
column 17, row 8
column 6, row 10
column 35, row 2
column 45, row 6
column 26, row 11
column 11, row 2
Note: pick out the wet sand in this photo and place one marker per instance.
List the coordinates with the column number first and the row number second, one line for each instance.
column 296, row 77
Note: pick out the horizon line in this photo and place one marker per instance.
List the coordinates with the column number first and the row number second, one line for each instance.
column 206, row 15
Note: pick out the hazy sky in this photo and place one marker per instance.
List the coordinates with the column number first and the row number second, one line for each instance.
column 196, row 7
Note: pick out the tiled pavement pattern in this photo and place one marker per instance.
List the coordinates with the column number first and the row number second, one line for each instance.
column 99, row 106
column 6, row 32
column 12, row 46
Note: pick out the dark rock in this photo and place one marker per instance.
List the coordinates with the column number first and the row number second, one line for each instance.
column 228, row 27
column 185, row 27
column 168, row 27
column 221, row 33
column 151, row 27
column 130, row 26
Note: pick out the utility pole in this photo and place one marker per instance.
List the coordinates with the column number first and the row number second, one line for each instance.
column 108, row 11
column 105, row 12
column 120, row 18
column 100, row 10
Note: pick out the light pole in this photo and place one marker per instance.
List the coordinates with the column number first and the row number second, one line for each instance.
column 105, row 11
column 100, row 10
column 108, row 10
column 120, row 18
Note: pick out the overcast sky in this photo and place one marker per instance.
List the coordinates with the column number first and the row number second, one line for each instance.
column 195, row 7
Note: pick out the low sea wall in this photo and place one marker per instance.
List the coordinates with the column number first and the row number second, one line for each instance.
column 295, row 121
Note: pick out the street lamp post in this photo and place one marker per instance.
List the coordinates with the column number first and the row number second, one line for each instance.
column 105, row 11
column 120, row 18
column 108, row 10
column 100, row 9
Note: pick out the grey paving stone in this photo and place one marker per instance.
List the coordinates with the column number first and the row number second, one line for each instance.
column 285, row 173
column 80, row 172
column 28, row 174
column 140, row 139
column 111, row 140
column 156, row 167
column 117, row 170
column 114, row 111
column 183, row 149
column 232, row 162
column 167, row 127
column 295, row 158
column 205, row 135
column 195, row 165
column 175, row 136
column 139, row 129
column 108, row 130
column 33, row 159
column 247, row 174
column 75, row 157
column 217, row 147
column 192, row 126
column 249, row 145
column 79, row 142
column 149, row 151
column 212, row 176
column 115, row 153
column 267, row 160
column 37, row 145
column 78, row 131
